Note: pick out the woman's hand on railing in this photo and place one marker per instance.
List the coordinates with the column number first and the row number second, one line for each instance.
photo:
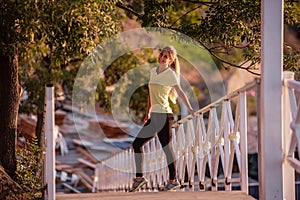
column 192, row 112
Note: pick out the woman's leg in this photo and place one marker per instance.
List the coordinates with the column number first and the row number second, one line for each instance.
column 145, row 134
column 165, row 137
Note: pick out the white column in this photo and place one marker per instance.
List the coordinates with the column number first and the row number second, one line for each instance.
column 270, row 144
column 288, row 171
column 50, row 144
column 244, row 149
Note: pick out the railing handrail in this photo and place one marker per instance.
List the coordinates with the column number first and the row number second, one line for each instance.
column 291, row 84
column 231, row 95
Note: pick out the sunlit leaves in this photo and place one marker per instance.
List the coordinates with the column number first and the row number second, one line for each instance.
column 55, row 36
column 29, row 165
column 228, row 29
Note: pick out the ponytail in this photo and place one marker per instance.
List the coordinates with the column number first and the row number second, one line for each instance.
column 176, row 67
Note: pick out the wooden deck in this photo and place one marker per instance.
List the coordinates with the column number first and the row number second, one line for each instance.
column 208, row 195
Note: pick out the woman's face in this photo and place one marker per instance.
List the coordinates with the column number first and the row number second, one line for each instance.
column 164, row 58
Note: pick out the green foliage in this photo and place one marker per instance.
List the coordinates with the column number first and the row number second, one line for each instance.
column 229, row 30
column 291, row 60
column 119, row 76
column 138, row 104
column 292, row 18
column 292, row 13
column 158, row 10
column 55, row 37
column 9, row 32
column 29, row 166
column 228, row 23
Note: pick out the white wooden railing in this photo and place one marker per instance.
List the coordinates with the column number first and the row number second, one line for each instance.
column 199, row 143
column 291, row 132
column 202, row 142
column 293, row 92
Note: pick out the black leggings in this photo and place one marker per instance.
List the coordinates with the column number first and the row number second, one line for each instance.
column 160, row 123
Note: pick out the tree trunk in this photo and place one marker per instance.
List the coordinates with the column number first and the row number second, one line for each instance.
column 10, row 189
column 9, row 106
column 39, row 128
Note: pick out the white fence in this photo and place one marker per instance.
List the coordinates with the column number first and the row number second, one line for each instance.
column 215, row 135
column 292, row 104
column 291, row 132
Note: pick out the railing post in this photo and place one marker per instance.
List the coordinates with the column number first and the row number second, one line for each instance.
column 270, row 143
column 49, row 166
column 288, row 171
column 243, row 134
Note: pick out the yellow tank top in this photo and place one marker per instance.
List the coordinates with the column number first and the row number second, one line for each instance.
column 160, row 86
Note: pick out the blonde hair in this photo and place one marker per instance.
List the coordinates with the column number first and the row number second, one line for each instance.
column 175, row 66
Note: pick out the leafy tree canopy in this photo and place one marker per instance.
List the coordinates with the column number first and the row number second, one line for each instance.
column 55, row 36
column 225, row 28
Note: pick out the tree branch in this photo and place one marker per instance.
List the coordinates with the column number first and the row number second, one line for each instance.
column 219, row 58
column 200, row 2
column 227, row 62
column 184, row 15
column 126, row 8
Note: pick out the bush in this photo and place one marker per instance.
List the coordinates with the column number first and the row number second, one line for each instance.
column 29, row 168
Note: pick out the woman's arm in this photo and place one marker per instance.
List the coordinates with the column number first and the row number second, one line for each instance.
column 184, row 99
column 148, row 109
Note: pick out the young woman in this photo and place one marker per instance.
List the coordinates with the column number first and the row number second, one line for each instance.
column 163, row 84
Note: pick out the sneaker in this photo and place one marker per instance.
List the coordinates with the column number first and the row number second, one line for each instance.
column 137, row 184
column 171, row 186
